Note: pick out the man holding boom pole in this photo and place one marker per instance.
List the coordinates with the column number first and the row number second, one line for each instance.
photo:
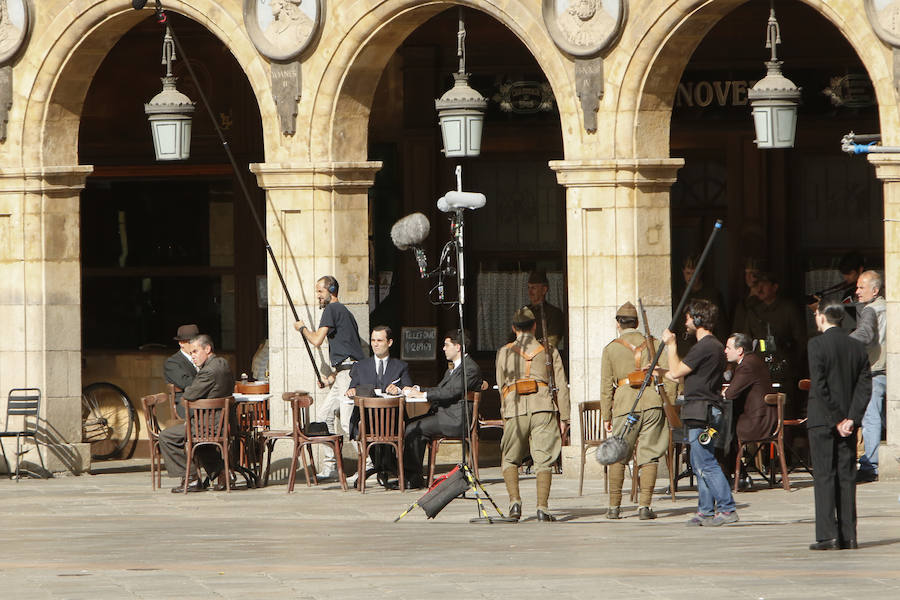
column 338, row 325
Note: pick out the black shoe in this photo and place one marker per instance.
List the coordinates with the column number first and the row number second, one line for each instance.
column 515, row 510
column 866, row 476
column 194, row 486
column 849, row 545
column 220, row 484
column 383, row 479
column 825, row 545
column 545, row 517
column 409, row 484
column 745, row 484
column 613, row 512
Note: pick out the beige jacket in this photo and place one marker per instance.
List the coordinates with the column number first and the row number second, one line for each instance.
column 511, row 365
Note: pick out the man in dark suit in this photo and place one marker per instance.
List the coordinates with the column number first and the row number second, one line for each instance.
column 840, row 386
column 214, row 380
column 446, row 416
column 179, row 369
column 382, row 372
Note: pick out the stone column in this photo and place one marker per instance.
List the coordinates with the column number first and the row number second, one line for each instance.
column 617, row 224
column 40, row 306
column 887, row 169
column 317, row 219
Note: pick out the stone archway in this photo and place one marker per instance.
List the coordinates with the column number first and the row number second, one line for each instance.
column 644, row 111
column 40, row 186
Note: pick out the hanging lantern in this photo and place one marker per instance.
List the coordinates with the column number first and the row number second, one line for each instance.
column 169, row 113
column 461, row 109
column 774, row 99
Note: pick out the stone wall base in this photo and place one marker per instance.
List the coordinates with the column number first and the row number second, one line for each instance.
column 63, row 459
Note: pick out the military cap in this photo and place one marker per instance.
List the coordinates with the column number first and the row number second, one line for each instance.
column 627, row 310
column 523, row 315
column 538, row 276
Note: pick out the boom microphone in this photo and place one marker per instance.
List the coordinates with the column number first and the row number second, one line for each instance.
column 409, row 231
column 452, row 201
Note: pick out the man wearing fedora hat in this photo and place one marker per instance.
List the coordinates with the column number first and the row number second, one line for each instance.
column 625, row 355
column 179, row 369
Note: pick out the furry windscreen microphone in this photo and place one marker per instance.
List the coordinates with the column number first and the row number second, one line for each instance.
column 613, row 449
column 411, row 230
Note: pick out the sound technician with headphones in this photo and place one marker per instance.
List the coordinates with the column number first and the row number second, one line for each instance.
column 702, row 370
column 339, row 327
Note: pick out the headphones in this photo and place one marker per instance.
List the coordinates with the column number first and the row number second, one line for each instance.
column 698, row 320
column 331, row 285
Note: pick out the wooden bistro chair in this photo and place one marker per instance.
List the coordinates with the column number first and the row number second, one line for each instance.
column 150, row 404
column 380, row 422
column 171, row 390
column 207, row 423
column 593, row 433
column 252, row 420
column 473, row 447
column 776, row 441
column 300, row 403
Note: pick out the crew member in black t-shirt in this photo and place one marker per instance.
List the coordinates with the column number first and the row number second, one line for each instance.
column 339, row 327
column 702, row 370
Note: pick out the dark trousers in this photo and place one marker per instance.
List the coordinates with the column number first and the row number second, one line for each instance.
column 446, row 421
column 171, row 446
column 834, row 472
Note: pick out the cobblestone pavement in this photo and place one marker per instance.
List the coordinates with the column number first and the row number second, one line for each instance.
column 108, row 535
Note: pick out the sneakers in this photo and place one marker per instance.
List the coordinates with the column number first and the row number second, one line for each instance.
column 724, row 518
column 329, row 471
column 645, row 513
column 699, row 520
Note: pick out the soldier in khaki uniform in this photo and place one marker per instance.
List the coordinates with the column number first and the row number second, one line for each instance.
column 626, row 354
column 532, row 417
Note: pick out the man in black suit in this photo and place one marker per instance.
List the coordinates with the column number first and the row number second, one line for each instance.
column 214, row 380
column 446, row 416
column 179, row 369
column 840, row 386
column 380, row 372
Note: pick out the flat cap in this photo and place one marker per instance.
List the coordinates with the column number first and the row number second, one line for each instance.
column 523, row 315
column 627, row 310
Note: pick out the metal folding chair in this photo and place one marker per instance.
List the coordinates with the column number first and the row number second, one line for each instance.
column 24, row 403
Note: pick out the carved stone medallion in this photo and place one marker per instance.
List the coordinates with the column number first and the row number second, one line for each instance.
column 584, row 28
column 15, row 22
column 282, row 29
column 884, row 15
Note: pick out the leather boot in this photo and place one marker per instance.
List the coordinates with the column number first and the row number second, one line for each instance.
column 511, row 479
column 648, row 480
column 616, row 474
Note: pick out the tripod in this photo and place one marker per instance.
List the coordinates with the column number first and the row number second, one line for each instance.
column 454, row 250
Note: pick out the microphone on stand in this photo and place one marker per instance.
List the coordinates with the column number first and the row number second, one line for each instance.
column 410, row 232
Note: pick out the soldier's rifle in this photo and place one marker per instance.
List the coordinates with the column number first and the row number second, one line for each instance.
column 669, row 408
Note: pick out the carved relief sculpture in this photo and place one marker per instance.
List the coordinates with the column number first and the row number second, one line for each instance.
column 884, row 16
column 584, row 29
column 15, row 21
column 281, row 30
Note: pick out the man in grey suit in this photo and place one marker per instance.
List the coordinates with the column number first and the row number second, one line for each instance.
column 179, row 369
column 446, row 416
column 840, row 386
column 214, row 380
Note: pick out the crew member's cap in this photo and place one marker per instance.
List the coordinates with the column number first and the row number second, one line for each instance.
column 187, row 332
column 523, row 315
column 627, row 310
column 538, row 276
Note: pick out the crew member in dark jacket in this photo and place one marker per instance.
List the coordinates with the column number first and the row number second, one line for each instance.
column 840, row 386
column 179, row 369
column 748, row 388
column 446, row 416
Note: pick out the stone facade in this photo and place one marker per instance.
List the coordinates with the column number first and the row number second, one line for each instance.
column 316, row 180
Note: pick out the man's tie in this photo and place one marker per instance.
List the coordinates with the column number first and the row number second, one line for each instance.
column 379, row 378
